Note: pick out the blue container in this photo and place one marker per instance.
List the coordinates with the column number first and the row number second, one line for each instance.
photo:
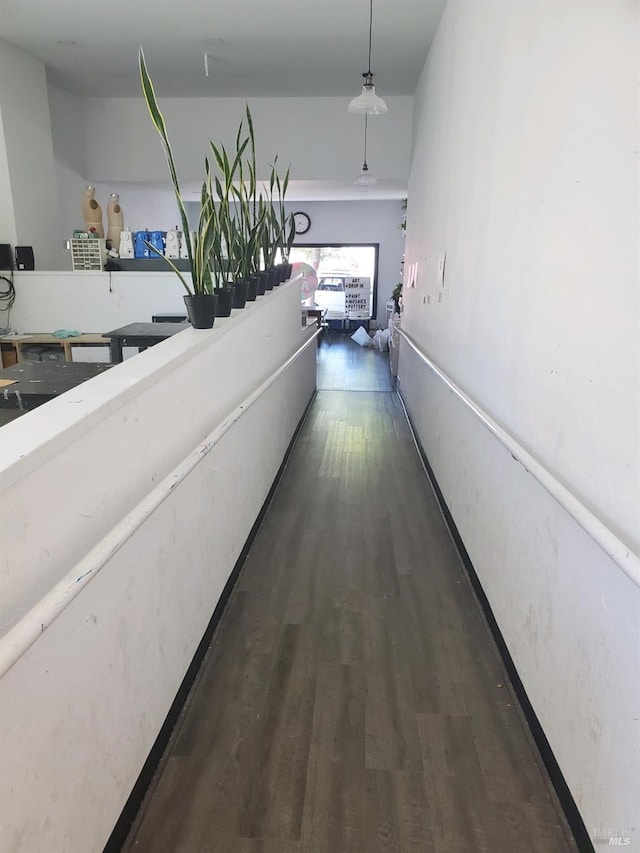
column 157, row 240
column 139, row 248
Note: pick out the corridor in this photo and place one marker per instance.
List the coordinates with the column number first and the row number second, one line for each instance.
column 352, row 698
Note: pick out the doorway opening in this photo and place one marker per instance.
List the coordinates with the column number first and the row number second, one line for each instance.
column 341, row 278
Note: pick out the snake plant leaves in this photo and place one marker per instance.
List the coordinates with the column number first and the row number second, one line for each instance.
column 199, row 267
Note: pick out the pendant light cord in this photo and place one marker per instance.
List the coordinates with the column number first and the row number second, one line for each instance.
column 370, row 32
column 365, row 141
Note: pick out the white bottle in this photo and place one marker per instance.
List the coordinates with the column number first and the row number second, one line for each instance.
column 115, row 218
column 92, row 213
column 184, row 252
column 126, row 244
column 172, row 248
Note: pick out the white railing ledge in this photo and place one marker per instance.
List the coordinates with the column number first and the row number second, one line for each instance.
column 621, row 554
column 33, row 624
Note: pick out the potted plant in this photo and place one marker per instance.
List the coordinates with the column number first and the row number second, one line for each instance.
column 238, row 230
column 282, row 226
column 247, row 220
column 285, row 231
column 286, row 249
column 272, row 235
column 397, row 296
column 220, row 265
column 227, row 242
column 200, row 300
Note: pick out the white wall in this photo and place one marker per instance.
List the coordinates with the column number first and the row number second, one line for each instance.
column 92, row 302
column 82, row 707
column 68, row 131
column 525, row 172
column 151, row 206
column 69, row 151
column 7, row 218
column 317, row 136
column 145, row 207
column 28, row 148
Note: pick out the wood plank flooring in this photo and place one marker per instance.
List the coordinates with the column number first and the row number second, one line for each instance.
column 352, row 700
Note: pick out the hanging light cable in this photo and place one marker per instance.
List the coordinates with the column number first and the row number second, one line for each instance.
column 365, row 178
column 367, row 101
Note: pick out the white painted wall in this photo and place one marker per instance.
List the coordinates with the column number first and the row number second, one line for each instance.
column 82, row 707
column 94, row 301
column 145, row 207
column 525, row 172
column 7, row 219
column 317, row 136
column 150, row 206
column 28, row 149
column 69, row 150
column 71, row 188
column 68, row 131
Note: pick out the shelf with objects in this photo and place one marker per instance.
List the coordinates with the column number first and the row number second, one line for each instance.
column 45, row 347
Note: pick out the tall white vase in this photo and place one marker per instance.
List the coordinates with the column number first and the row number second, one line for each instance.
column 92, row 213
column 115, row 220
column 125, row 247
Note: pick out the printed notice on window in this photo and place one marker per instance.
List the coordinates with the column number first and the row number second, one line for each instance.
column 357, row 297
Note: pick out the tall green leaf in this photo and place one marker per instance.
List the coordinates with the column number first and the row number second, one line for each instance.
column 159, row 124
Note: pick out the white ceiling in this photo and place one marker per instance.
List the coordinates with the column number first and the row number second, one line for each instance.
column 256, row 48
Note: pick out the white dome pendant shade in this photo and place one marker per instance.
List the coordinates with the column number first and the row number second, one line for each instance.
column 367, row 102
column 365, row 179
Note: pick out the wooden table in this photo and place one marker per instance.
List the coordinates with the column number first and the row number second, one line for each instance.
column 19, row 341
column 36, row 383
column 140, row 335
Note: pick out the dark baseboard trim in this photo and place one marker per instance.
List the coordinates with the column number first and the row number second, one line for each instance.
column 565, row 797
column 132, row 806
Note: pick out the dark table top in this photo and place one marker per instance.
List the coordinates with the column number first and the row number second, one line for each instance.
column 146, row 330
column 41, row 381
column 169, row 318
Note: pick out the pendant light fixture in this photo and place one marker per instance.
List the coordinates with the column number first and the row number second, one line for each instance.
column 365, row 178
column 367, row 102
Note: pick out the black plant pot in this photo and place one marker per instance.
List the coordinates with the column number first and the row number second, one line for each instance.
column 288, row 271
column 279, row 274
column 252, row 290
column 240, row 295
column 225, row 301
column 263, row 277
column 271, row 278
column 201, row 310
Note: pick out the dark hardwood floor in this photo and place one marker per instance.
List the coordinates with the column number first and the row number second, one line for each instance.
column 352, row 698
